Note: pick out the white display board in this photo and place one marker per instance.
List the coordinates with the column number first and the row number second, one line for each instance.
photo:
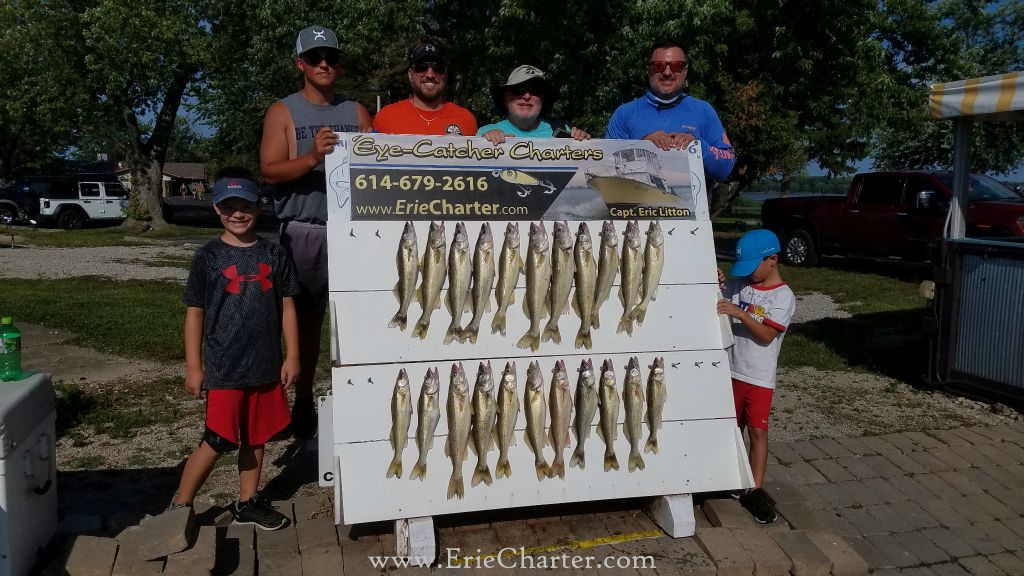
column 377, row 183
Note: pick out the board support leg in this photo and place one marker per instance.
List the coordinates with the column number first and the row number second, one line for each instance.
column 674, row 514
column 414, row 539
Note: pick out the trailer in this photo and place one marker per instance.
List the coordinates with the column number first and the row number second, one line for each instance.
column 977, row 298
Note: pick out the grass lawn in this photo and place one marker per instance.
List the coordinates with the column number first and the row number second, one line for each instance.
column 109, row 236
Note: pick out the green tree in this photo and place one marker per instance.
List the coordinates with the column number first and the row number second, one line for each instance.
column 941, row 42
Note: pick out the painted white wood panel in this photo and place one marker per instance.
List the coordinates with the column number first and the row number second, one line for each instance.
column 696, row 383
column 682, row 318
column 362, row 254
column 696, row 456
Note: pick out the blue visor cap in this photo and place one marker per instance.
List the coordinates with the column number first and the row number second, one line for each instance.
column 753, row 248
column 235, row 188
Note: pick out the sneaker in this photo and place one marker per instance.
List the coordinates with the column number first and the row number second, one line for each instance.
column 736, row 494
column 304, row 418
column 260, row 513
column 760, row 505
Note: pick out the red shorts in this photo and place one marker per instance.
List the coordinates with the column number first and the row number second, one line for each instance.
column 753, row 404
column 247, row 416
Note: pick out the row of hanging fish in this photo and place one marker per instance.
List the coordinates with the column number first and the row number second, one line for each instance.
column 481, row 420
column 551, row 272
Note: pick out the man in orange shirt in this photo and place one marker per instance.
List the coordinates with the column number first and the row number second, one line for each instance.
column 426, row 111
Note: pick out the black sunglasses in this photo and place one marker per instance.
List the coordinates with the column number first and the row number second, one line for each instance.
column 315, row 57
column 520, row 89
column 437, row 67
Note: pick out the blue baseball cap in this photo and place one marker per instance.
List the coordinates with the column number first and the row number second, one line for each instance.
column 235, row 188
column 752, row 248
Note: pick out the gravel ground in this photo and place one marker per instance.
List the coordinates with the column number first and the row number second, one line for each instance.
column 808, row 404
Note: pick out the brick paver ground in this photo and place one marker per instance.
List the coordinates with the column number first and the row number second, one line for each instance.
column 932, row 502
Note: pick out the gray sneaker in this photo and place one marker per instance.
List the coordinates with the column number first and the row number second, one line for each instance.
column 259, row 513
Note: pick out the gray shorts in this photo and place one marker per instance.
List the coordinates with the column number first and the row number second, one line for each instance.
column 307, row 245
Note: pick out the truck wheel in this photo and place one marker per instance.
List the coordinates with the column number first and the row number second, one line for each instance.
column 71, row 220
column 799, row 250
column 7, row 214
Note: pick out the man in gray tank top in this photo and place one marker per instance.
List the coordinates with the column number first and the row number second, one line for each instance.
column 298, row 131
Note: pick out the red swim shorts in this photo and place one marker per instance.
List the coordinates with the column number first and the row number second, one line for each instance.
column 247, row 416
column 753, row 404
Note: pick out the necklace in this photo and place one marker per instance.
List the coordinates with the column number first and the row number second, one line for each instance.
column 429, row 121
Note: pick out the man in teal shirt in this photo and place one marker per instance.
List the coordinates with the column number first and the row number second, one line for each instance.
column 526, row 99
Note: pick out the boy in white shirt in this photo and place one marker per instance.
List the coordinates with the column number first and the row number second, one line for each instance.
column 763, row 306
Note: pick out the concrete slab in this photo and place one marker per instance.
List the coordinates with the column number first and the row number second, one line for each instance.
column 316, row 533
column 911, row 488
column 784, row 452
column 913, row 514
column 980, row 566
column 802, row 473
column 88, row 556
column 857, row 467
column 807, row 559
column 769, row 559
column 727, row 513
column 875, row 559
column 922, row 547
column 801, row 517
column 949, row 458
column 969, row 510
column 162, row 535
column 951, row 544
column 284, row 540
column 279, row 562
column 901, row 441
column 1001, row 534
column 831, row 447
column 325, row 561
column 977, row 538
column 807, row 450
column 856, row 446
column 882, row 465
column 831, row 470
column 972, row 455
column 685, row 557
column 235, row 553
column 929, row 461
column 893, row 550
column 845, row 560
column 880, row 446
column 888, row 518
column 992, row 506
column 922, row 440
column 907, row 464
column 356, row 555
column 937, row 485
column 943, row 513
column 949, row 569
column 1010, row 563
column 863, row 523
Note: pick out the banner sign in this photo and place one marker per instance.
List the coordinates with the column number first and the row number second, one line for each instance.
column 389, row 177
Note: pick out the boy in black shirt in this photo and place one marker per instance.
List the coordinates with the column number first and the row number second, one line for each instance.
column 239, row 298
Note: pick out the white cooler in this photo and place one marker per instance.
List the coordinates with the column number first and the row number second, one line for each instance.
column 28, row 471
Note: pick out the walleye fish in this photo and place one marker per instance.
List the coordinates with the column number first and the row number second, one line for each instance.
column 586, row 285
column 507, row 414
column 401, row 417
column 656, row 396
column 460, row 270
column 560, row 404
column 408, row 260
column 483, row 281
column 562, row 268
column 608, row 404
column 510, row 265
column 428, row 414
column 483, row 422
column 607, row 268
column 654, row 262
column 459, row 411
column 434, row 267
column 538, row 276
column 586, row 408
column 633, row 398
column 629, row 289
column 536, row 416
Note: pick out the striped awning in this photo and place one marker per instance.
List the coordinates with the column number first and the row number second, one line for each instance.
column 998, row 97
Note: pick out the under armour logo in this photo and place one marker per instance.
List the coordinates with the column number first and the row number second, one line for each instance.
column 235, row 279
column 319, row 35
column 429, row 48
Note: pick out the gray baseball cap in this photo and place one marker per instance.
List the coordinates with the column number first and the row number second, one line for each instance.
column 315, row 37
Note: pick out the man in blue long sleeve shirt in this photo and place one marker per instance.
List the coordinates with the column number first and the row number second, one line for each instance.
column 671, row 118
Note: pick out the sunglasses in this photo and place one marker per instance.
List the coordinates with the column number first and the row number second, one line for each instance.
column 522, row 89
column 658, row 66
column 315, row 57
column 422, row 67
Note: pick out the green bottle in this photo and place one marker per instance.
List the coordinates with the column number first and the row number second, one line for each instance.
column 10, row 350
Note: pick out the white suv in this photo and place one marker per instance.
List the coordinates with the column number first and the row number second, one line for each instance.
column 73, row 201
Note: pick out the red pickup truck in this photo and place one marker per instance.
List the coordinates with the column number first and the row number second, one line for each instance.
column 887, row 214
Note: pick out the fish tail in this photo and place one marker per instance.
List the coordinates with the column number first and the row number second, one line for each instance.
column 530, row 340
column 583, row 339
column 395, row 469
column 498, row 323
column 453, row 331
column 635, row 461
column 543, row 470
column 399, row 320
column 482, row 474
column 420, row 330
column 470, row 333
column 557, row 468
column 578, row 459
column 638, row 313
column 419, row 471
column 652, row 444
column 503, row 469
column 610, row 462
column 625, row 325
column 551, row 333
column 456, row 489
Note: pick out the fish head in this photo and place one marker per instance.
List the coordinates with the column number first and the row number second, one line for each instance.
column 533, row 376
column 608, row 235
column 654, row 235
column 403, row 379
column 608, row 374
column 538, row 237
column 485, row 241
column 435, row 238
column 512, row 235
column 484, row 378
column 563, row 238
column 431, row 382
column 458, row 380
column 461, row 238
column 633, row 367
column 632, row 234
column 583, row 239
column 559, row 373
column 508, row 377
column 658, row 368
column 409, row 234
column 586, row 370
